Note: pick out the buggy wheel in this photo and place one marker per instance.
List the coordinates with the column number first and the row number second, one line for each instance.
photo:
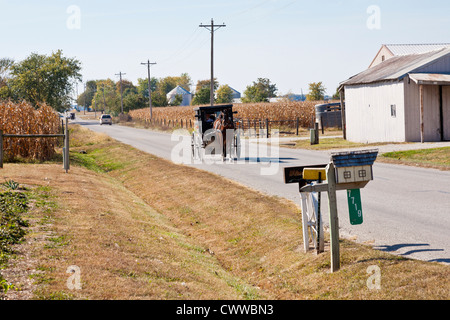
column 237, row 145
column 196, row 147
column 192, row 147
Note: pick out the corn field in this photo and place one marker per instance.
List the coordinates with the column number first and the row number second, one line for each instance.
column 22, row 118
column 280, row 111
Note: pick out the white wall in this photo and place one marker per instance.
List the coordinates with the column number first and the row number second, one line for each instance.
column 379, row 58
column 368, row 112
column 431, row 116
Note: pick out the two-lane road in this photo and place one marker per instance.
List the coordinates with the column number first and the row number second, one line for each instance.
column 406, row 210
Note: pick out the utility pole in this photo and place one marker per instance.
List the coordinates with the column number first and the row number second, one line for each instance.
column 148, row 63
column 76, row 98
column 95, row 103
column 212, row 27
column 84, row 104
column 120, row 74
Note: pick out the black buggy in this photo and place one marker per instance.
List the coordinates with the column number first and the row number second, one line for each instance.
column 211, row 125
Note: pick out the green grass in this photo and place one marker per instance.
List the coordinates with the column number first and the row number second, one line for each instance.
column 438, row 157
column 333, row 143
column 95, row 160
column 12, row 228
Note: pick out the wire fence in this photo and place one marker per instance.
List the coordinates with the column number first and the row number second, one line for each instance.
column 256, row 127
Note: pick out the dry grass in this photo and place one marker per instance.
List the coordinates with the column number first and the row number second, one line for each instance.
column 124, row 248
column 144, row 228
column 22, row 118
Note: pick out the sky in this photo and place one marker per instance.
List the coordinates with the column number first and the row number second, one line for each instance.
column 290, row 42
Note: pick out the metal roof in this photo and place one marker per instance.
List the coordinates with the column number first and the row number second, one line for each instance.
column 395, row 68
column 408, row 49
column 430, row 78
column 178, row 90
column 354, row 158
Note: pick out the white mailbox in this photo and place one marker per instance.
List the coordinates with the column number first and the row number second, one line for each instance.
column 354, row 166
column 354, row 174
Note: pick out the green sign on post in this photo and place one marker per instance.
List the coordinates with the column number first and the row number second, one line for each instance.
column 354, row 206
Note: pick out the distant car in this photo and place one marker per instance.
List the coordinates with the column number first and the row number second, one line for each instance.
column 105, row 119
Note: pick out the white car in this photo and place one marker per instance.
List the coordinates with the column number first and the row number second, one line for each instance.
column 105, row 119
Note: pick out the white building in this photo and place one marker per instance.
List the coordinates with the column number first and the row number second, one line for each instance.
column 187, row 96
column 405, row 98
column 388, row 51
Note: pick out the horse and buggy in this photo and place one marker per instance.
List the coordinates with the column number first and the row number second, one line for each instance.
column 215, row 133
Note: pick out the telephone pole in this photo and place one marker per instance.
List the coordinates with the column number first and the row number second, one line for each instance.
column 120, row 74
column 84, row 102
column 212, row 27
column 148, row 63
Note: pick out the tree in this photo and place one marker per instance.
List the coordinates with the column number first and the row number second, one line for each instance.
column 336, row 95
column 142, row 86
column 106, row 96
column 264, row 85
column 260, row 91
column 5, row 68
column 316, row 92
column 45, row 79
column 132, row 100
column 185, row 81
column 206, row 84
column 177, row 101
column 224, row 94
column 126, row 84
column 85, row 99
column 167, row 84
column 253, row 94
column 202, row 96
column 159, row 100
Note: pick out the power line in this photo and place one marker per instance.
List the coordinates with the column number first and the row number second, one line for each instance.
column 188, row 43
column 212, row 27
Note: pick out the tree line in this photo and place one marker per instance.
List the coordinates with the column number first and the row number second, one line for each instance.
column 51, row 79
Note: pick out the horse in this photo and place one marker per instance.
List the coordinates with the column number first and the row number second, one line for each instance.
column 222, row 124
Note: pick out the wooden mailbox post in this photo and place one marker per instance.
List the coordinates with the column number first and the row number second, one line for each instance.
column 349, row 171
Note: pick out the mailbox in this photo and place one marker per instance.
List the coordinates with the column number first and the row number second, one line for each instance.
column 354, row 166
column 349, row 171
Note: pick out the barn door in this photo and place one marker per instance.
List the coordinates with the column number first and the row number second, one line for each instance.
column 446, row 112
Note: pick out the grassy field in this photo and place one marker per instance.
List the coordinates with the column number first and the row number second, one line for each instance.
column 140, row 227
column 331, row 143
column 438, row 158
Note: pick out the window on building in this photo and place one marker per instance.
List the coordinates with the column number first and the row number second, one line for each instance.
column 383, row 58
column 393, row 111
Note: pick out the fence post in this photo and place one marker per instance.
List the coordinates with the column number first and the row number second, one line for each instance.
column 1, row 148
column 267, row 128
column 316, row 130
column 334, row 220
column 321, row 124
column 297, row 124
column 66, row 147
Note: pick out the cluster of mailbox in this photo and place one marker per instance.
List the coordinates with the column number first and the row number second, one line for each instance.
column 350, row 167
